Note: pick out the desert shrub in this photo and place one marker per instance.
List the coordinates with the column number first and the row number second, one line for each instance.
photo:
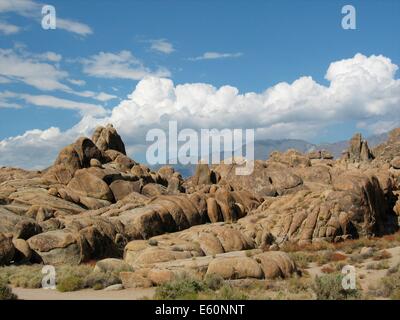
column 302, row 259
column 29, row 276
column 329, row 287
column 81, row 270
column 187, row 288
column 393, row 269
column 213, row 281
column 182, row 288
column 324, row 257
column 382, row 255
column 338, row 266
column 299, row 284
column 228, row 292
column 378, row 265
column 356, row 259
column 68, row 277
column 390, row 285
column 6, row 292
column 70, row 283
column 72, row 277
column 368, row 254
column 395, row 294
column 153, row 242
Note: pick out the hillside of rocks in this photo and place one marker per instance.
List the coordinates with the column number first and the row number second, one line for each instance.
column 96, row 203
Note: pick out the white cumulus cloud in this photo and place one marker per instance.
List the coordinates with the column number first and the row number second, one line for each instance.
column 361, row 89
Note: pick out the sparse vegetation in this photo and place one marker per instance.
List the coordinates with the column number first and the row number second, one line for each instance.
column 70, row 283
column 390, row 285
column 329, row 287
column 188, row 288
column 228, row 292
column 181, row 288
column 302, row 259
column 382, row 255
column 28, row 276
column 68, row 277
column 381, row 265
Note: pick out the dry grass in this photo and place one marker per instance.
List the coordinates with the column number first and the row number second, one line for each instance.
column 382, row 255
column 381, row 265
column 348, row 246
column 68, row 277
column 390, row 285
column 329, row 287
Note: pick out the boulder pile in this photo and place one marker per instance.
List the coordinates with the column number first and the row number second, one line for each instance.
column 95, row 202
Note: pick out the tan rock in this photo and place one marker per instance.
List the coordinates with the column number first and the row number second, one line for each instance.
column 134, row 280
column 235, row 268
column 89, row 185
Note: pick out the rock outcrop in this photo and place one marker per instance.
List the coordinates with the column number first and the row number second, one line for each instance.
column 95, row 202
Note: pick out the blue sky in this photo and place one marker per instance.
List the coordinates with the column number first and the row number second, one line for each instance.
column 249, row 45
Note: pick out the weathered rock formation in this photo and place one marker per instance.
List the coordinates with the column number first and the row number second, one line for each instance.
column 95, row 202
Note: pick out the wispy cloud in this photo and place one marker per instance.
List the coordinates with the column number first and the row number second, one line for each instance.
column 42, row 72
column 32, row 9
column 121, row 65
column 216, row 55
column 22, row 7
column 74, row 26
column 77, row 82
column 7, row 29
column 162, row 45
column 54, row 102
column 16, row 66
column 100, row 96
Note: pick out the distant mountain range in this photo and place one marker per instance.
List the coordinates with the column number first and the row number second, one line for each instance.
column 263, row 148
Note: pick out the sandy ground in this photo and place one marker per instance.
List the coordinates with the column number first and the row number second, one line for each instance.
column 87, row 294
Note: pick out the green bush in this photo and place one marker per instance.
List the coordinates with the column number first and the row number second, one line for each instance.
column 329, row 287
column 70, row 283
